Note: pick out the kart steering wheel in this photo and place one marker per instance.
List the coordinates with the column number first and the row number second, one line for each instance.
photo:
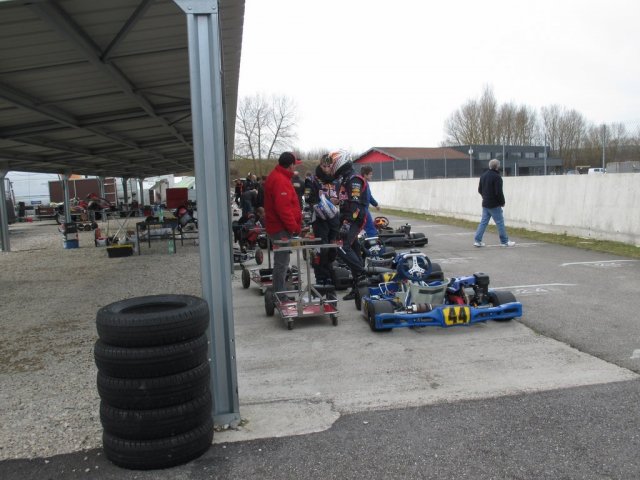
column 414, row 266
column 381, row 222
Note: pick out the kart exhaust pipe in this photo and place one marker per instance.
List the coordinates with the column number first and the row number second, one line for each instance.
column 419, row 308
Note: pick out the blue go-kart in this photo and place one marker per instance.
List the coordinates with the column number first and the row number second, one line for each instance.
column 409, row 300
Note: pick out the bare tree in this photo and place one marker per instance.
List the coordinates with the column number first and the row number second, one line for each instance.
column 263, row 127
column 564, row 130
column 482, row 121
column 516, row 125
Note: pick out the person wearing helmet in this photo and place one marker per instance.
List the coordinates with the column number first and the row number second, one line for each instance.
column 283, row 216
column 353, row 211
column 321, row 193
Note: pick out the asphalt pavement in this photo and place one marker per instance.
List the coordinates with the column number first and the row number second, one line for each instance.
column 554, row 394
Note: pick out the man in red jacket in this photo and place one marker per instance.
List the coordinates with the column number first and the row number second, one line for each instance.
column 283, row 215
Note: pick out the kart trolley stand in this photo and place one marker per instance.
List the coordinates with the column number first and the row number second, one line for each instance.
column 309, row 301
column 263, row 277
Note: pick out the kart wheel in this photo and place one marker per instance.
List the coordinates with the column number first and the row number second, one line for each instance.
column 334, row 320
column 375, row 307
column 290, row 325
column 259, row 255
column 436, row 273
column 381, row 222
column 360, row 293
column 304, row 255
column 342, row 278
column 269, row 304
column 246, row 278
column 500, row 298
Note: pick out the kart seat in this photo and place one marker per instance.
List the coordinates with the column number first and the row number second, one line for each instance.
column 428, row 293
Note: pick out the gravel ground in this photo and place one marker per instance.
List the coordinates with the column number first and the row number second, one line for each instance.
column 48, row 302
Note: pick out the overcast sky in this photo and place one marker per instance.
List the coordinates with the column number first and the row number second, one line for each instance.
column 367, row 73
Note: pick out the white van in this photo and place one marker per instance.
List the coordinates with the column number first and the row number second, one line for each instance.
column 596, row 170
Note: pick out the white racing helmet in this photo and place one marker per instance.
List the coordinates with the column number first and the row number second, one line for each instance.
column 340, row 160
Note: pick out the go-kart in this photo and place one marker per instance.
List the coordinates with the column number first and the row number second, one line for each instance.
column 251, row 239
column 383, row 270
column 409, row 300
column 401, row 237
column 186, row 219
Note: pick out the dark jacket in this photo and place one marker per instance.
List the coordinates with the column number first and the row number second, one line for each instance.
column 354, row 198
column 317, row 182
column 282, row 209
column 490, row 187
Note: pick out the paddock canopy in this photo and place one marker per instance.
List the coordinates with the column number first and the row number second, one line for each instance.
column 102, row 87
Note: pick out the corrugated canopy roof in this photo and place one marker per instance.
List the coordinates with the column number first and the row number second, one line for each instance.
column 102, row 87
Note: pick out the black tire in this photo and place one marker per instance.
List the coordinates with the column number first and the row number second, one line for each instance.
column 360, row 293
column 342, row 278
column 436, row 273
column 157, row 423
column 269, row 303
column 375, row 307
column 259, row 256
column 152, row 320
column 152, row 393
column 289, row 324
column 500, row 298
column 160, row 453
column 149, row 362
column 334, row 320
column 246, row 278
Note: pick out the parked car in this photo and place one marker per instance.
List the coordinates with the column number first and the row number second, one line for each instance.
column 594, row 171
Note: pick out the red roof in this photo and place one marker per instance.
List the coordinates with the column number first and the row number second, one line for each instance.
column 387, row 154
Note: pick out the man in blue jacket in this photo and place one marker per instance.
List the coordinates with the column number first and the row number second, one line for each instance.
column 370, row 229
column 490, row 187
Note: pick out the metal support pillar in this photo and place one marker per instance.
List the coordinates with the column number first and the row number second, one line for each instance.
column 5, row 243
column 125, row 193
column 67, row 197
column 214, row 220
column 101, row 181
column 140, row 194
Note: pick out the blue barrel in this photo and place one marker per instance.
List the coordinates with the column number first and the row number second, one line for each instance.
column 71, row 244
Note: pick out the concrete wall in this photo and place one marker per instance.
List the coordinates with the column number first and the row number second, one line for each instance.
column 605, row 207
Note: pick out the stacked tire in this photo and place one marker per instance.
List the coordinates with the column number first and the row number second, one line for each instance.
column 154, row 380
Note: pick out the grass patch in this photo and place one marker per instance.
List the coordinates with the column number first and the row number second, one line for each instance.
column 615, row 248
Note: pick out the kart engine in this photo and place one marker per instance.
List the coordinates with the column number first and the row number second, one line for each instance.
column 470, row 290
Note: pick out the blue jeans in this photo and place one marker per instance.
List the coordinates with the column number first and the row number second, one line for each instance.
column 370, row 229
column 498, row 218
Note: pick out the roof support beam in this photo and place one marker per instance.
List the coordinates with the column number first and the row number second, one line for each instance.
column 104, row 118
column 128, row 26
column 54, row 16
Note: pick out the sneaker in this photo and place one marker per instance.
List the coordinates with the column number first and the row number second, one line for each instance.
column 350, row 296
column 479, row 244
column 508, row 244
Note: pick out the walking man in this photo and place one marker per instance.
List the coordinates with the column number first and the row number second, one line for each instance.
column 490, row 187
